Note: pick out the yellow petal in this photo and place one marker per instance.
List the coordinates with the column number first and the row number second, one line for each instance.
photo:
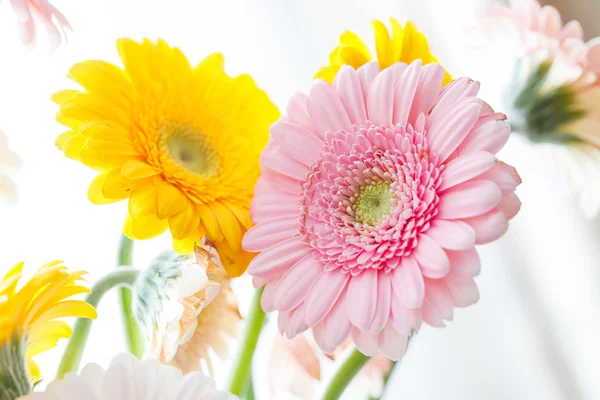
column 210, row 223
column 94, row 193
column 170, row 200
column 184, row 224
column 50, row 330
column 397, row 39
column 235, row 262
column 186, row 245
column 142, row 201
column 103, row 78
column 383, row 44
column 115, row 186
column 67, row 309
column 34, row 370
column 63, row 137
column 327, row 73
column 241, row 213
column 211, row 64
column 351, row 56
column 106, row 131
column 72, row 147
column 8, row 285
column 40, row 346
column 228, row 223
column 136, row 169
column 143, row 228
column 352, row 39
column 63, row 96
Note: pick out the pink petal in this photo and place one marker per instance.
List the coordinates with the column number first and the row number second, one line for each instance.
column 366, row 75
column 278, row 160
column 296, row 282
column 469, row 199
column 572, row 30
column 430, row 84
column 501, row 177
column 281, row 182
column 405, row 92
column 266, row 234
column 431, row 258
column 438, row 297
column 452, row 235
column 380, row 100
column 362, row 298
column 283, row 323
column 465, row 262
column 297, row 113
column 392, row 344
column 323, row 294
column 319, row 335
column 463, row 290
column 348, row 87
column 451, row 95
column 384, row 303
column 465, row 167
column 296, row 322
column 277, row 259
column 550, row 21
column 270, row 205
column 490, row 137
column 259, row 282
column 408, row 284
column 452, row 128
column 337, row 324
column 21, row 9
column 509, row 205
column 27, row 32
column 297, row 141
column 266, row 300
column 326, row 109
column 367, row 343
column 404, row 320
column 488, row 227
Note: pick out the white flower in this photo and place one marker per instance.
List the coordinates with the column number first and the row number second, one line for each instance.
column 8, row 161
column 127, row 378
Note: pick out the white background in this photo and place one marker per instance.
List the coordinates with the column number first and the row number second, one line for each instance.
column 535, row 333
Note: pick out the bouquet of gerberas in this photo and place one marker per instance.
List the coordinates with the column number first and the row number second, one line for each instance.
column 356, row 213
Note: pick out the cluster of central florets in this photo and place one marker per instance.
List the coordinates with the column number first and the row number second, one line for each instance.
column 369, row 197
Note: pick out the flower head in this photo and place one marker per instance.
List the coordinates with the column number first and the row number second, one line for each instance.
column 295, row 370
column 32, row 14
column 187, row 306
column 374, row 191
column 555, row 89
column 402, row 43
column 8, row 161
column 132, row 379
column 30, row 321
column 179, row 143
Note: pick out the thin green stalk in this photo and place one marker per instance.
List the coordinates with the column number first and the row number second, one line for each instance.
column 344, row 375
column 386, row 378
column 243, row 364
column 249, row 391
column 72, row 356
column 133, row 335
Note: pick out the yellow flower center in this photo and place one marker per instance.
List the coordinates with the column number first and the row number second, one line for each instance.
column 373, row 203
column 189, row 149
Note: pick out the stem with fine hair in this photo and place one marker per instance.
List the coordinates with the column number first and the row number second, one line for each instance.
column 344, row 375
column 74, row 351
column 133, row 335
column 243, row 364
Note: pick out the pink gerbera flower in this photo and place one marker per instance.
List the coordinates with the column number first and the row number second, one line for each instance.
column 374, row 191
column 33, row 13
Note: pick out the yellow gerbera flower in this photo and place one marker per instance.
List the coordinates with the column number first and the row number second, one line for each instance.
column 405, row 44
column 30, row 321
column 181, row 143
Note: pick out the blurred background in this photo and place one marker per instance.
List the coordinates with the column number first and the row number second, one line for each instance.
column 535, row 334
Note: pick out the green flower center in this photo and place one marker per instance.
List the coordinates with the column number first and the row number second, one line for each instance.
column 190, row 150
column 373, row 203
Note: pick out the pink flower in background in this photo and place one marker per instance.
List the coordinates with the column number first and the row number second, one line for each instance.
column 32, row 14
column 295, row 371
column 569, row 90
column 374, row 191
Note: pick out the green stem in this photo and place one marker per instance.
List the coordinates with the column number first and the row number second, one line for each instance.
column 133, row 334
column 386, row 378
column 72, row 356
column 249, row 390
column 243, row 364
column 344, row 375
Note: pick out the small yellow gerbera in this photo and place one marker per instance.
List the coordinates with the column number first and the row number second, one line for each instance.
column 405, row 44
column 30, row 321
column 179, row 142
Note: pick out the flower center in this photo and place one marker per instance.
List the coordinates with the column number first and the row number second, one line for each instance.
column 189, row 149
column 373, row 203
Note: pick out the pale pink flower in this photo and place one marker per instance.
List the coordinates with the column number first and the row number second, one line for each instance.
column 295, row 370
column 373, row 193
column 32, row 14
column 539, row 36
column 8, row 161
